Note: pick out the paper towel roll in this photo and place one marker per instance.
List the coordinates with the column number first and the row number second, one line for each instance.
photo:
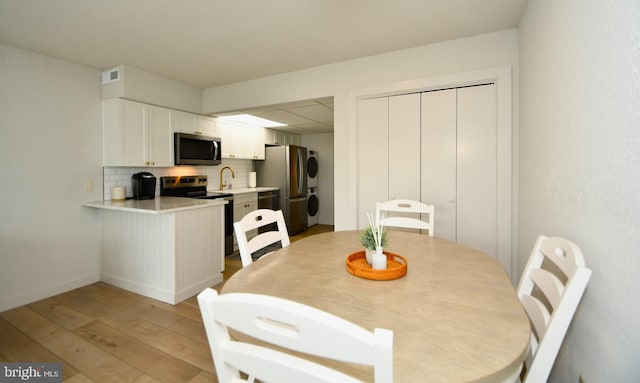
column 252, row 179
column 118, row 193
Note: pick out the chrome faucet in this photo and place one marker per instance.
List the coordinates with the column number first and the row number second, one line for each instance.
column 222, row 183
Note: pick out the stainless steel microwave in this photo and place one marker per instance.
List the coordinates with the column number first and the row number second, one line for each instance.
column 196, row 149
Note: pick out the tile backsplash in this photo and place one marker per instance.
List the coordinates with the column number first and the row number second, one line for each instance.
column 121, row 176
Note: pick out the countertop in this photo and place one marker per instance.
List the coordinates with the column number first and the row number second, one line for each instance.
column 245, row 190
column 158, row 205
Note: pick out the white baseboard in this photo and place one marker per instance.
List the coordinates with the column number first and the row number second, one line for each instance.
column 9, row 303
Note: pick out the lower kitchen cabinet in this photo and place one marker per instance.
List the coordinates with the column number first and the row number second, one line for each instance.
column 244, row 204
column 169, row 257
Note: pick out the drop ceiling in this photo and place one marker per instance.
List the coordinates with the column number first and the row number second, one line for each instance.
column 302, row 117
column 208, row 43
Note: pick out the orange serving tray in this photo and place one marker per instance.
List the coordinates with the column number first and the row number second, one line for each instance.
column 358, row 266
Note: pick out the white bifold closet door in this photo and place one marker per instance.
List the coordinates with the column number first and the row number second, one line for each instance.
column 459, row 164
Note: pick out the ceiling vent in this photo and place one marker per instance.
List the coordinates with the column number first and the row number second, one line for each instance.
column 111, row 75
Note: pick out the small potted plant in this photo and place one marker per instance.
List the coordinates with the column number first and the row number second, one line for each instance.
column 369, row 240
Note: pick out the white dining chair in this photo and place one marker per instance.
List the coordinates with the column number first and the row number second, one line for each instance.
column 260, row 219
column 550, row 290
column 292, row 326
column 413, row 214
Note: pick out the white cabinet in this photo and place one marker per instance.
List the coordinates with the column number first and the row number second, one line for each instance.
column 241, row 140
column 439, row 147
column 276, row 137
column 161, row 255
column 193, row 123
column 136, row 134
column 244, row 204
column 292, row 139
column 273, row 137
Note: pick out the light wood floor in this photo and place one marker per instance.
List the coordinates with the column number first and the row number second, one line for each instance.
column 101, row 333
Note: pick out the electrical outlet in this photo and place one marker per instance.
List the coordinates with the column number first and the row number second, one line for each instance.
column 580, row 379
column 88, row 186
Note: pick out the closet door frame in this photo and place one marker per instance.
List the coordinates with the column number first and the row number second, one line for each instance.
column 506, row 188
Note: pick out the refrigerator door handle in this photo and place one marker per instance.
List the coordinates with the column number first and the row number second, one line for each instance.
column 301, row 172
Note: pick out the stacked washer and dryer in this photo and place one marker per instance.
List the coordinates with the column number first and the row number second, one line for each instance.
column 312, row 187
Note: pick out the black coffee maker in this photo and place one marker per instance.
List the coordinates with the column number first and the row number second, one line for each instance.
column 144, row 185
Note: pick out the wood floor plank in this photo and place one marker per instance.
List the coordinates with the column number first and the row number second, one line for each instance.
column 146, row 379
column 78, row 378
column 95, row 363
column 16, row 346
column 204, row 377
column 61, row 314
column 192, row 329
column 182, row 347
column 24, row 318
column 153, row 362
column 93, row 308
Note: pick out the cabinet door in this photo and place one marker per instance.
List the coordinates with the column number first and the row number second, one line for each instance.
column 184, row 122
column 257, row 143
column 205, row 125
column 292, row 139
column 159, row 137
column 123, row 124
column 373, row 156
column 278, row 138
column 404, row 147
column 226, row 130
column 438, row 162
column 477, row 167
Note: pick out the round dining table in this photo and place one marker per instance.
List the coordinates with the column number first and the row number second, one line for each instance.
column 455, row 315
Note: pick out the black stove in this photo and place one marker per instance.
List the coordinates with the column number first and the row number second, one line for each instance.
column 196, row 187
column 189, row 186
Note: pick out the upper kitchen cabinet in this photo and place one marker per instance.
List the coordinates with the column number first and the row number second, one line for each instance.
column 276, row 137
column 136, row 134
column 241, row 140
column 273, row 137
column 193, row 123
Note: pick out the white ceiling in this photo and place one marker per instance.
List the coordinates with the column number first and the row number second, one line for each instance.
column 206, row 43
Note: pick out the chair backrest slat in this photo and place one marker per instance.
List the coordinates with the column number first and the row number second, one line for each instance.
column 292, row 326
column 255, row 220
column 406, row 214
column 559, row 295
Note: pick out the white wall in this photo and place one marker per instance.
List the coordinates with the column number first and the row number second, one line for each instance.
column 50, row 146
column 323, row 144
column 580, row 169
column 138, row 85
column 479, row 52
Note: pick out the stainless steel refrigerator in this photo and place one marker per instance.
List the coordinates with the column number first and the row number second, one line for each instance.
column 285, row 167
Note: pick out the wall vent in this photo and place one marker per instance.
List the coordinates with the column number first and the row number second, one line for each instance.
column 111, row 75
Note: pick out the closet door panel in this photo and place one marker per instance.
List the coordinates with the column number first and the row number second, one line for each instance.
column 404, row 146
column 373, row 156
column 438, row 162
column 477, row 165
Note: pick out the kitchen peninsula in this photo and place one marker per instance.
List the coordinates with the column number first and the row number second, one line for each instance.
column 167, row 248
